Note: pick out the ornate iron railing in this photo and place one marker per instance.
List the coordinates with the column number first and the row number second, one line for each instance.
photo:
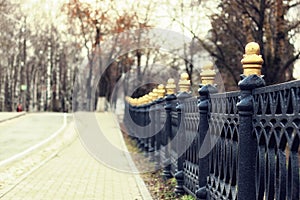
column 275, row 122
column 223, row 131
column 276, row 128
column 240, row 145
column 191, row 158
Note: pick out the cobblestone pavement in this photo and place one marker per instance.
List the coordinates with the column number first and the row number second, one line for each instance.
column 75, row 174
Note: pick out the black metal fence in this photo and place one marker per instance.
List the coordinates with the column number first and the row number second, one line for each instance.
column 239, row 145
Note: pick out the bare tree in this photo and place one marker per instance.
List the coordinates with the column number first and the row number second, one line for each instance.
column 103, row 22
column 26, row 52
column 267, row 22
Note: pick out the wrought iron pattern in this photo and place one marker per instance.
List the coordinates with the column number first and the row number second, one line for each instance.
column 190, row 165
column 223, row 130
column 276, row 127
column 160, row 121
column 273, row 129
column 174, row 130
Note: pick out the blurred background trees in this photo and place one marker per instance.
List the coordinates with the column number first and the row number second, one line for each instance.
column 38, row 59
column 274, row 24
column 43, row 46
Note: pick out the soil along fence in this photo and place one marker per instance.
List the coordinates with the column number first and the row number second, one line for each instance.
column 236, row 145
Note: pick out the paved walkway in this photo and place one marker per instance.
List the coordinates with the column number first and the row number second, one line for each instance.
column 21, row 133
column 74, row 174
column 4, row 116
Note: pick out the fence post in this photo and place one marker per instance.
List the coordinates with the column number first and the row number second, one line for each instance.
column 138, row 118
column 153, row 121
column 206, row 88
column 141, row 117
column 184, row 93
column 158, row 136
column 247, row 146
column 168, row 128
column 146, row 125
column 127, row 116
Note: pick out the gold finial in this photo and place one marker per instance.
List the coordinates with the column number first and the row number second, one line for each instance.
column 161, row 91
column 155, row 94
column 138, row 101
column 147, row 99
column 142, row 100
column 127, row 98
column 152, row 96
column 208, row 74
column 184, row 83
column 134, row 101
column 130, row 100
column 171, row 86
column 252, row 60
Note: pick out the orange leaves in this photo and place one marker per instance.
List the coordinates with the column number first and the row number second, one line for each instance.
column 85, row 11
column 128, row 22
column 101, row 20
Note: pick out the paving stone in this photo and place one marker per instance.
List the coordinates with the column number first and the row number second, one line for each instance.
column 75, row 174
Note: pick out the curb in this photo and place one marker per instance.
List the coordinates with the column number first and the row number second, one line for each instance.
column 140, row 182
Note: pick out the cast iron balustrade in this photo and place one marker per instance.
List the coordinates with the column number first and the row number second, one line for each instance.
column 250, row 137
column 276, row 127
column 190, row 164
column 223, row 131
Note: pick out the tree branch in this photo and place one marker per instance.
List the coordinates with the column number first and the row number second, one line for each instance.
column 293, row 5
column 290, row 62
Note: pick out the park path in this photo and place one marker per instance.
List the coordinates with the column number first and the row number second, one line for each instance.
column 75, row 174
column 4, row 116
column 20, row 133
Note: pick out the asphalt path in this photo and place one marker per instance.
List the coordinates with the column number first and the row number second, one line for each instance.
column 21, row 133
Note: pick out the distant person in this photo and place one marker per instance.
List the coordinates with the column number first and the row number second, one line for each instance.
column 19, row 108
